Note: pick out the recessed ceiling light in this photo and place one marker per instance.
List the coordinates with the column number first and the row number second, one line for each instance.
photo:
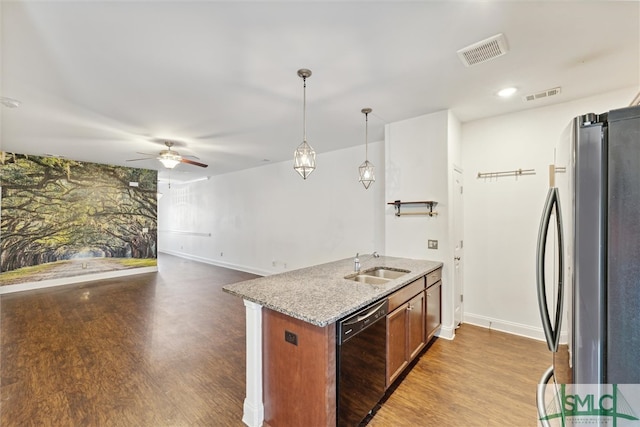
column 507, row 92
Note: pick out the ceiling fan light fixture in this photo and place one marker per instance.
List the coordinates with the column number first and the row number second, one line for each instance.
column 366, row 170
column 170, row 160
column 304, row 158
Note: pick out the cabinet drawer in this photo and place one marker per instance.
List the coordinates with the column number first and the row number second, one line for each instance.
column 434, row 276
column 405, row 294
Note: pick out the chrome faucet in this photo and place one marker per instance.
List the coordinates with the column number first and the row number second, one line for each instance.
column 357, row 263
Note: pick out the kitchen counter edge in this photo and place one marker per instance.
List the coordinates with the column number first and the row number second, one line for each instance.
column 320, row 295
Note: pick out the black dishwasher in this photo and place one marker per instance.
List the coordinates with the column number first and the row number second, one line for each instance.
column 361, row 363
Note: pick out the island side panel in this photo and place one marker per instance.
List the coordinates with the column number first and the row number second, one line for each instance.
column 299, row 381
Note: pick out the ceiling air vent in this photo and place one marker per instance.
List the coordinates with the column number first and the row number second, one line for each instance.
column 543, row 94
column 484, row 50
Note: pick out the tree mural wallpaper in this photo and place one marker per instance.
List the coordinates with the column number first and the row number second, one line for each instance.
column 61, row 218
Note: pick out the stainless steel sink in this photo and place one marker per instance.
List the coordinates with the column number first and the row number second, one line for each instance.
column 377, row 275
column 385, row 273
column 363, row 278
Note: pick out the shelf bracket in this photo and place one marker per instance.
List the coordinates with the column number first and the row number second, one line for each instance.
column 430, row 204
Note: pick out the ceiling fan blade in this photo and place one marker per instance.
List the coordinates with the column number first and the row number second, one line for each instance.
column 146, row 154
column 191, row 162
column 135, row 160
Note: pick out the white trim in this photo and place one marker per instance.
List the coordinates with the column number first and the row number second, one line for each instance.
column 510, row 327
column 446, row 332
column 232, row 266
column 29, row 286
column 253, row 408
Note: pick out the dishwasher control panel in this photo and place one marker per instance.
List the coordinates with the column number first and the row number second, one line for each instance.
column 360, row 320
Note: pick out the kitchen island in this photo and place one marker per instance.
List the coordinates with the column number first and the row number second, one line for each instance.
column 291, row 343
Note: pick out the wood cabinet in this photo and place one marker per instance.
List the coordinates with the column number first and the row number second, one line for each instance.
column 405, row 328
column 416, row 333
column 414, row 318
column 433, row 303
column 433, row 318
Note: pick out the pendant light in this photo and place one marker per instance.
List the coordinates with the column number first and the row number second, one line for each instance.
column 366, row 169
column 304, row 158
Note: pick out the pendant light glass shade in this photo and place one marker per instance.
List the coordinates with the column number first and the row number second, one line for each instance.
column 169, row 158
column 304, row 158
column 366, row 169
column 367, row 173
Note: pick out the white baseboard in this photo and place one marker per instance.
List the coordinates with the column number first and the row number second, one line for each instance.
column 446, row 332
column 29, row 286
column 232, row 266
column 536, row 333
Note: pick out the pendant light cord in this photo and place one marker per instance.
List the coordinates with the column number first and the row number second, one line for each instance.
column 366, row 136
column 304, row 109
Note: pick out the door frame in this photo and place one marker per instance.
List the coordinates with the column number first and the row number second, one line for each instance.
column 458, row 246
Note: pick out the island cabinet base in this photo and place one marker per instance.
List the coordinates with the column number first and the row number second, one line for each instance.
column 299, row 372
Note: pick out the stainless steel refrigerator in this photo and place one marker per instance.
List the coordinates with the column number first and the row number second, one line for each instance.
column 588, row 256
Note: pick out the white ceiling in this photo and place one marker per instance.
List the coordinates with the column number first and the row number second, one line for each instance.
column 100, row 81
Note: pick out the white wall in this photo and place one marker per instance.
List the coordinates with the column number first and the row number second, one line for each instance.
column 270, row 214
column 501, row 216
column 416, row 169
column 420, row 155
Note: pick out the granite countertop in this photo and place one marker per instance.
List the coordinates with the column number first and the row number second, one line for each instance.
column 320, row 295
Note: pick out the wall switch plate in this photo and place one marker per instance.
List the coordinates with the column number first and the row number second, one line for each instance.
column 432, row 244
column 290, row 337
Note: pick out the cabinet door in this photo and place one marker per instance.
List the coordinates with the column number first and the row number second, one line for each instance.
column 396, row 342
column 416, row 332
column 433, row 309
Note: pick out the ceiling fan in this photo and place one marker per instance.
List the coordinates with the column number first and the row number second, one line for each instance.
column 170, row 158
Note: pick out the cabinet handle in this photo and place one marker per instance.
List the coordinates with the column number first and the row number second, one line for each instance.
column 409, row 307
column 428, row 294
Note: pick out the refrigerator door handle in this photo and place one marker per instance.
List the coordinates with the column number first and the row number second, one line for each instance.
column 560, row 297
column 542, row 410
column 551, row 331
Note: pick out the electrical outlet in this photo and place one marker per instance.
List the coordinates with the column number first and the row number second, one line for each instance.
column 273, row 263
column 432, row 244
column 290, row 337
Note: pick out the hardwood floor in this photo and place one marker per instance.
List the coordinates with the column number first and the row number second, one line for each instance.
column 481, row 378
column 163, row 349
column 167, row 349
